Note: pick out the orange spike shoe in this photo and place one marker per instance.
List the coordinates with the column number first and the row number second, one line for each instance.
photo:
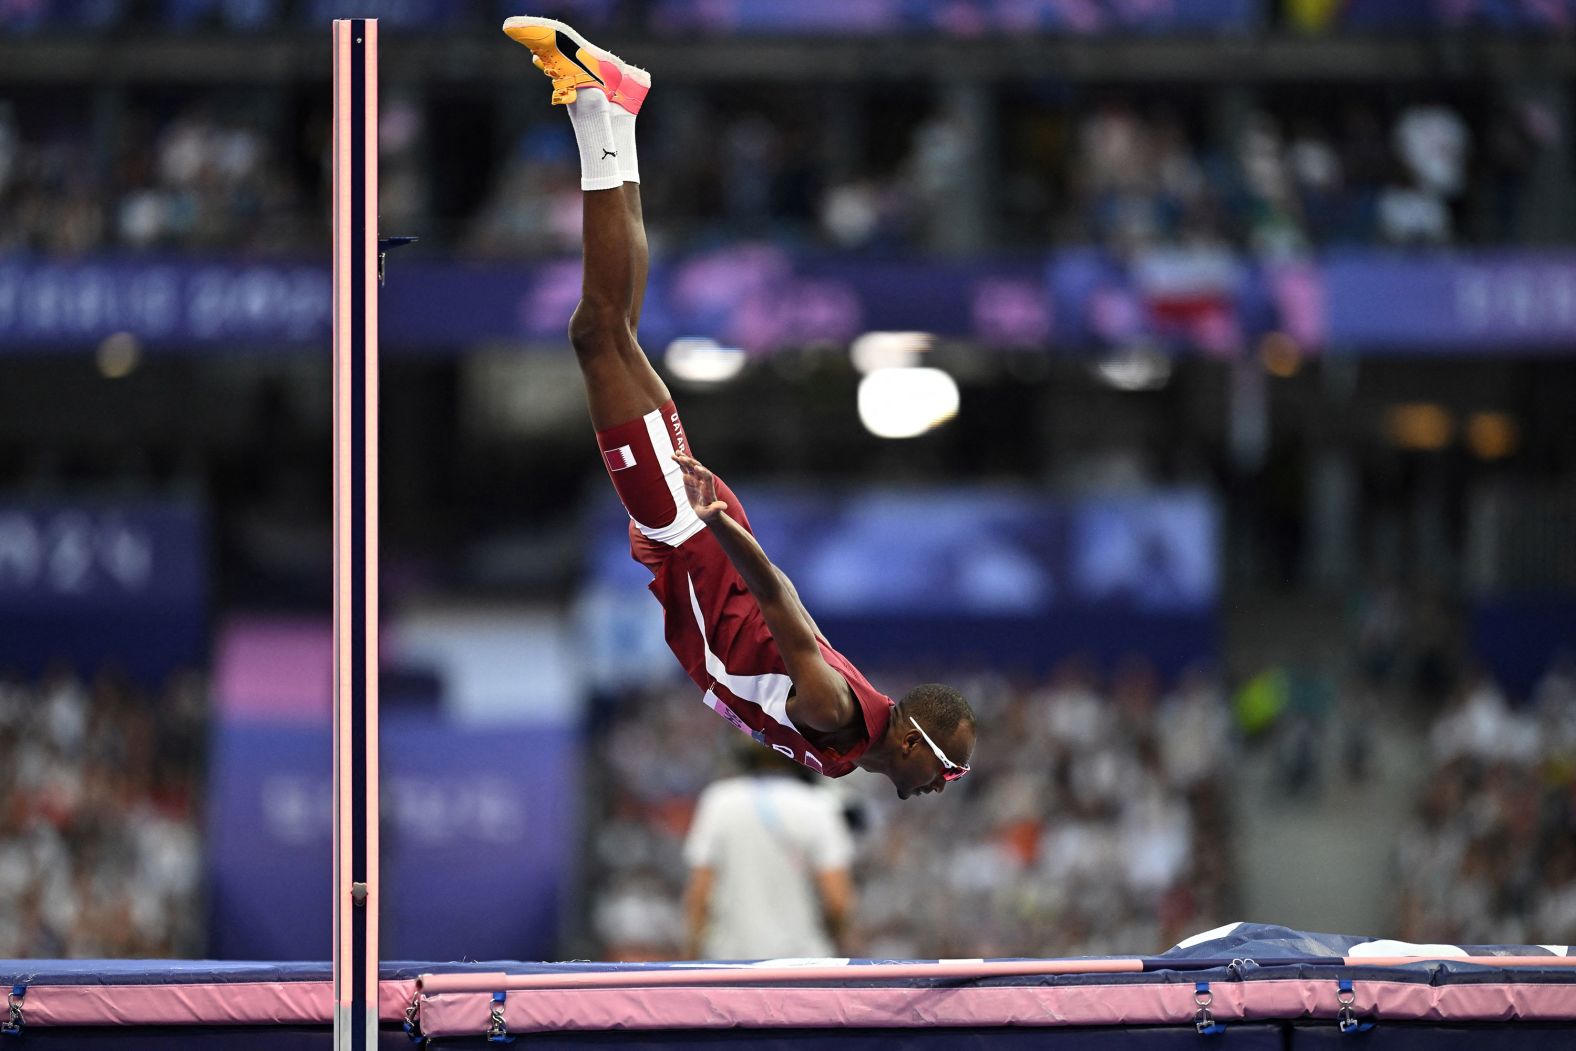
column 573, row 62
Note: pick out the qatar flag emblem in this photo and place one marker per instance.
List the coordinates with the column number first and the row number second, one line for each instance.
column 620, row 459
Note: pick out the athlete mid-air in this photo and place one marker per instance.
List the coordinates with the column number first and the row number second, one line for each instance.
column 733, row 619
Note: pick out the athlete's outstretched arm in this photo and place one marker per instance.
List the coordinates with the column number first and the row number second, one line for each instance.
column 822, row 699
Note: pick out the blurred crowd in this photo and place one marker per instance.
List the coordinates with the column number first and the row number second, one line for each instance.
column 1490, row 857
column 1098, row 824
column 246, row 174
column 1129, row 176
column 100, row 854
column 190, row 177
column 1292, row 178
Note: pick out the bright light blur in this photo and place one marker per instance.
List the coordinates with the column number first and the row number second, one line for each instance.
column 1280, row 354
column 888, row 350
column 1135, row 370
column 905, row 403
column 119, row 355
column 1421, row 427
column 1492, row 435
column 703, row 361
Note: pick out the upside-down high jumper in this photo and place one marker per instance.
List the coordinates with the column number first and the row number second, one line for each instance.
column 733, row 619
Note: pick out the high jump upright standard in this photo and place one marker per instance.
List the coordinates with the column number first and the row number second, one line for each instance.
column 356, row 273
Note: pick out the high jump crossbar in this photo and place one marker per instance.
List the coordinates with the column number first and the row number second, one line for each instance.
column 356, row 273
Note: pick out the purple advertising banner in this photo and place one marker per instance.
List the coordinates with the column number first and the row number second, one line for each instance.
column 901, row 578
column 764, row 298
column 973, row 553
column 1491, row 302
column 784, row 17
column 1085, row 17
column 85, row 556
column 754, row 296
column 95, row 583
column 746, row 16
column 164, row 302
column 1458, row 14
column 478, row 835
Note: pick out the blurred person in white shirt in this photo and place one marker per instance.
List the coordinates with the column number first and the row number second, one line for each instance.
column 769, row 858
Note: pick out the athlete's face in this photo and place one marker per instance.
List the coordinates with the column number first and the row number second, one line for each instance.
column 919, row 771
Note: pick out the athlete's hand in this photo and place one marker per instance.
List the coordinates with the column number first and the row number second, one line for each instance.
column 700, row 488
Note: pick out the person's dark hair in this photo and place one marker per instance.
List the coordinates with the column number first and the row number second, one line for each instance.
column 939, row 709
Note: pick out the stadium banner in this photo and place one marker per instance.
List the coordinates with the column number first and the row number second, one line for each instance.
column 480, row 784
column 121, row 583
column 470, row 815
column 764, row 298
column 165, row 302
column 1520, row 638
column 1081, row 17
column 961, row 575
column 754, row 296
column 961, row 552
column 844, row 17
column 1500, row 15
column 1066, row 17
column 1462, row 302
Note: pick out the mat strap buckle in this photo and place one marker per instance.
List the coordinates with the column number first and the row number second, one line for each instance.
column 1204, row 1020
column 13, row 1002
column 498, row 1032
column 413, row 1020
column 1346, row 1018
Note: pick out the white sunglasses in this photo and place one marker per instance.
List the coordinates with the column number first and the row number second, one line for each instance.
column 950, row 771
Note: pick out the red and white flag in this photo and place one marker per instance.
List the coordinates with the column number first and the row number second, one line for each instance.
column 620, row 459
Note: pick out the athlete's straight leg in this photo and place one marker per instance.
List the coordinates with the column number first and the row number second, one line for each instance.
column 640, row 256
column 621, row 385
column 602, row 95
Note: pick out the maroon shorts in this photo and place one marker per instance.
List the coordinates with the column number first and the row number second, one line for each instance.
column 639, row 459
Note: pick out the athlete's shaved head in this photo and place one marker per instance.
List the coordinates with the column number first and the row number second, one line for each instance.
column 940, row 709
column 942, row 715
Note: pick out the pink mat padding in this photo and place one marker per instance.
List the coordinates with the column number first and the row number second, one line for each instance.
column 219, row 1003
column 460, row 1014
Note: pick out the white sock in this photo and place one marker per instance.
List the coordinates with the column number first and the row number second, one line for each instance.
column 624, row 137
column 599, row 160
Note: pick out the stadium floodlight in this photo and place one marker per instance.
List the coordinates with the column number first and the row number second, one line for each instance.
column 906, row 402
